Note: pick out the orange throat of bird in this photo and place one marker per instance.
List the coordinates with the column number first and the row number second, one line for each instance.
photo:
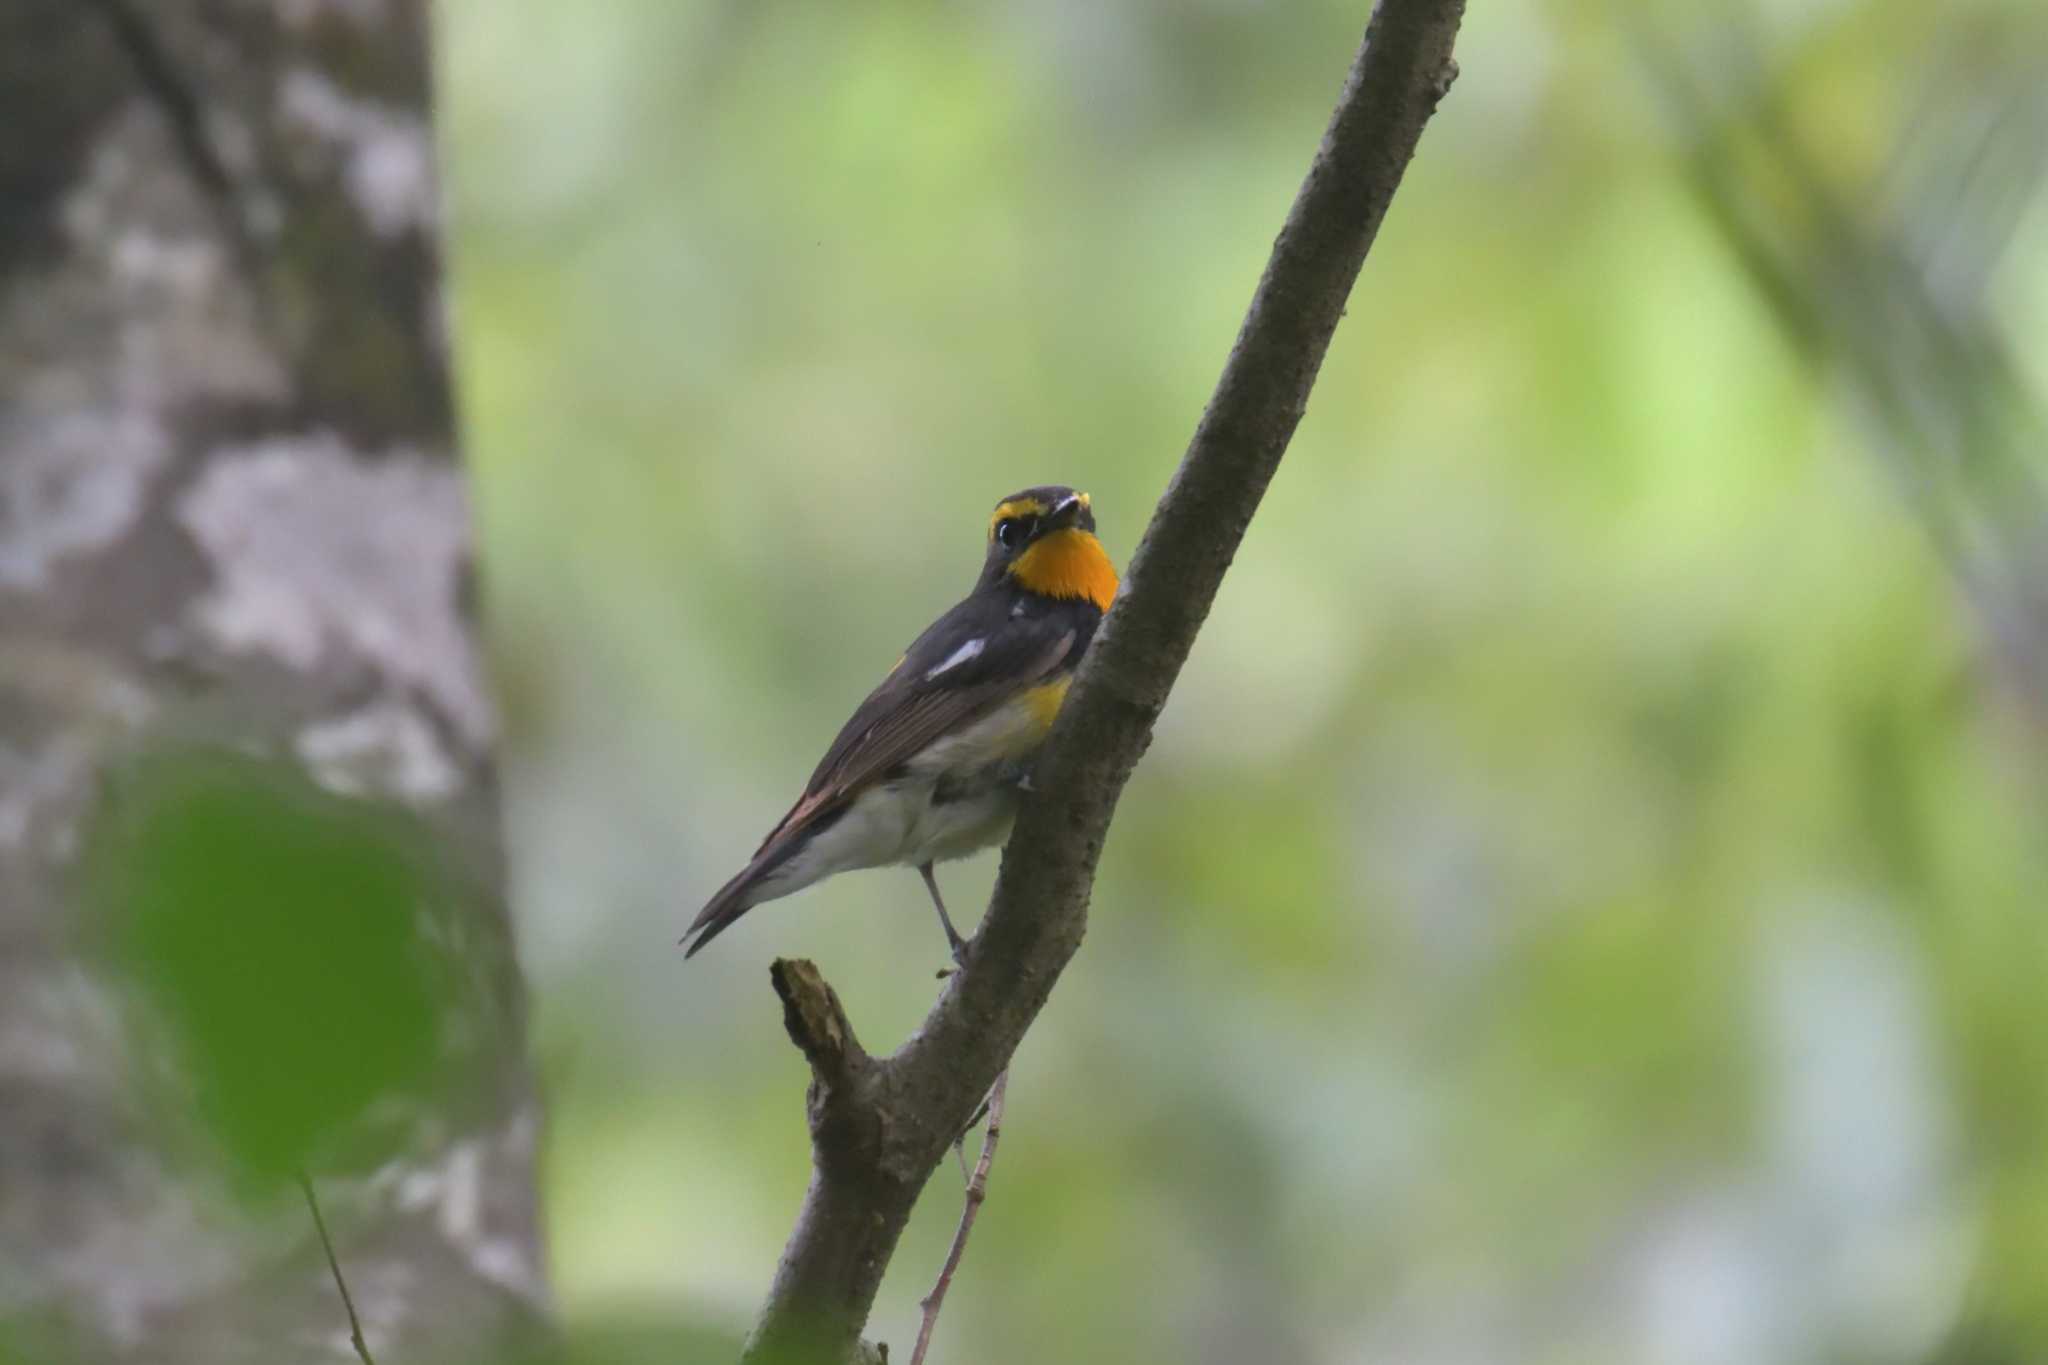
column 1067, row 564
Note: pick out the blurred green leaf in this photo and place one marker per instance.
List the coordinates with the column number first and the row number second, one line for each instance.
column 1887, row 284
column 273, row 931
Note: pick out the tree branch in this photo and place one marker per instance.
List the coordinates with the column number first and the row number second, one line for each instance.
column 890, row 1121
column 816, row 1022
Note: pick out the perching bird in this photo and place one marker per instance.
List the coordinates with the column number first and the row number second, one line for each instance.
column 931, row 765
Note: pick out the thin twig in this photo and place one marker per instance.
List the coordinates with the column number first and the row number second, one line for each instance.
column 977, row 1190
column 355, row 1326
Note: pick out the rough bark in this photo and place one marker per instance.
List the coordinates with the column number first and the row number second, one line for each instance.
column 231, row 515
column 879, row 1127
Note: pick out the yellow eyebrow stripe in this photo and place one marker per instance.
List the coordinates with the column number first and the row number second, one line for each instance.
column 1016, row 507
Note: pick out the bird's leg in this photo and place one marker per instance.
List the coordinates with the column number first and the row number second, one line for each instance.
column 958, row 944
column 931, row 882
column 960, row 1142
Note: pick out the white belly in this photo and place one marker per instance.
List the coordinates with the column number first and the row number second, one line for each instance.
column 900, row 823
column 956, row 798
column 960, row 827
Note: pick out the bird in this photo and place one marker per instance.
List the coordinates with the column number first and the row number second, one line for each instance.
column 932, row 765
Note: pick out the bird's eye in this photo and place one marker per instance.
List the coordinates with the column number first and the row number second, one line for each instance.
column 1007, row 531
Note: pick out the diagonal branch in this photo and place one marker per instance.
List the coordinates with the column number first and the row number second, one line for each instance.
column 895, row 1117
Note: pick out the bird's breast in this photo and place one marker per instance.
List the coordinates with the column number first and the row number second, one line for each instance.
column 955, row 797
column 1011, row 734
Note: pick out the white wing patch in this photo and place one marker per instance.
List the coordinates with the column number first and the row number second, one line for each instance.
column 956, row 658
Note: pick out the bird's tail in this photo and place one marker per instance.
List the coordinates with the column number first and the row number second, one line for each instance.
column 757, row 882
column 723, row 909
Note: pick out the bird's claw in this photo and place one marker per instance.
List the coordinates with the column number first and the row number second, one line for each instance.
column 959, row 957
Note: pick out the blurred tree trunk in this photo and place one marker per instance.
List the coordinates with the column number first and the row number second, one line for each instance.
column 231, row 513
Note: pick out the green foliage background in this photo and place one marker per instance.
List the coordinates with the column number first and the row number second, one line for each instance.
column 1586, row 899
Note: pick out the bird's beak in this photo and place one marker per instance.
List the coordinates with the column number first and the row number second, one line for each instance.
column 1067, row 511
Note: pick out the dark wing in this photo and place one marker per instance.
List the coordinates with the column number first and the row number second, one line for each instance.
column 968, row 663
